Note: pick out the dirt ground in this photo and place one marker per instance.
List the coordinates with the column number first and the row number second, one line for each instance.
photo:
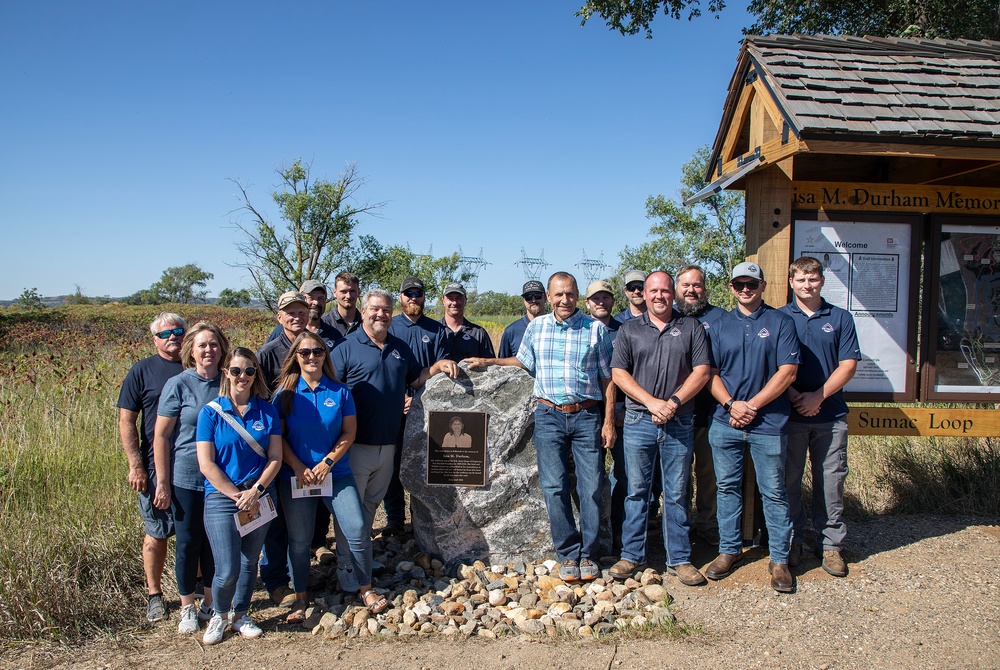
column 923, row 591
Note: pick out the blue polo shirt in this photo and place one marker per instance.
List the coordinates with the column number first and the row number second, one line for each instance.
column 378, row 379
column 747, row 350
column 827, row 337
column 624, row 315
column 704, row 402
column 314, row 424
column 233, row 455
column 510, row 341
column 425, row 338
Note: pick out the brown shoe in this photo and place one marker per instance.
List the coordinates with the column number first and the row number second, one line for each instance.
column 834, row 563
column 283, row 596
column 686, row 574
column 794, row 555
column 722, row 566
column 624, row 569
column 781, row 578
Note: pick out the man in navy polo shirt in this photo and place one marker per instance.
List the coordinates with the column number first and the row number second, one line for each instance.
column 377, row 366
column 634, row 282
column 464, row 338
column 818, row 423
column 429, row 344
column 661, row 361
column 533, row 295
column 755, row 355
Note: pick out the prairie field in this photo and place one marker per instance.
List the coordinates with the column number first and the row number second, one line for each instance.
column 70, row 533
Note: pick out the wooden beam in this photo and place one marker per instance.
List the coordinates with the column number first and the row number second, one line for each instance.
column 920, row 421
column 735, row 129
column 890, row 149
column 915, row 198
column 768, row 223
column 773, row 119
column 770, row 152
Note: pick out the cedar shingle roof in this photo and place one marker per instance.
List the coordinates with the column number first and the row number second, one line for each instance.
column 864, row 88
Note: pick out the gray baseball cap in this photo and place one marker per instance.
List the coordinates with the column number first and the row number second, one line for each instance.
column 748, row 270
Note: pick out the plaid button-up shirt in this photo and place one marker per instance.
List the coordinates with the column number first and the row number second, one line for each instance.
column 568, row 359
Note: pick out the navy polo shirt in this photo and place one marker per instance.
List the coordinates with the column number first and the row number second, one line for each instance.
column 660, row 361
column 237, row 459
column 425, row 338
column 469, row 340
column 704, row 402
column 747, row 350
column 378, row 379
column 315, row 423
column 341, row 325
column 625, row 315
column 329, row 334
column 827, row 337
column 510, row 341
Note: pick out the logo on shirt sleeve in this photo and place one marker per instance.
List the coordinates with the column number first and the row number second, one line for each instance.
column 257, row 425
column 706, row 325
column 827, row 327
column 764, row 333
column 329, row 402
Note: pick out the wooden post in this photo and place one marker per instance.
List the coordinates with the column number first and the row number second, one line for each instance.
column 769, row 229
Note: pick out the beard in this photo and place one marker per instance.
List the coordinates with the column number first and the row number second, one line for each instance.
column 412, row 309
column 314, row 314
column 692, row 308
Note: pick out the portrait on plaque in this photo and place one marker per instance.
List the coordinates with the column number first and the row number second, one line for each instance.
column 456, row 448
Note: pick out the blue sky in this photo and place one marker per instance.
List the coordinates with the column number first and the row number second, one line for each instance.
column 494, row 125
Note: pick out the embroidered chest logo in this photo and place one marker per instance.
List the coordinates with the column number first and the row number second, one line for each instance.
column 329, row 402
column 396, row 354
column 827, row 327
column 763, row 333
column 674, row 332
column 706, row 325
column 257, row 425
column 466, row 338
column 425, row 339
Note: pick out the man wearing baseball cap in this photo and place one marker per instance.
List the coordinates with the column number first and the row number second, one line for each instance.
column 464, row 338
column 316, row 299
column 634, row 282
column 533, row 294
column 755, row 354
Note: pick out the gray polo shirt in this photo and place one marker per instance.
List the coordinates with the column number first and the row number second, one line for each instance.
column 660, row 360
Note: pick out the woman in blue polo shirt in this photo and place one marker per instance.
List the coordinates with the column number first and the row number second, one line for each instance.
column 239, row 452
column 319, row 425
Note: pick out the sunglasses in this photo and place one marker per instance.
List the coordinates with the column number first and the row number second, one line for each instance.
column 632, row 288
column 306, row 353
column 532, row 297
column 236, row 372
column 165, row 334
column 413, row 294
column 753, row 285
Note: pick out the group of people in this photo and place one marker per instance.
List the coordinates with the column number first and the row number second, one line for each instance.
column 315, row 415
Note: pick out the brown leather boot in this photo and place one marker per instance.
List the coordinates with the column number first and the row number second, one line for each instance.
column 834, row 563
column 781, row 578
column 723, row 565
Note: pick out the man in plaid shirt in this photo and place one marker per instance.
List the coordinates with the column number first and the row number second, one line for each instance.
column 569, row 355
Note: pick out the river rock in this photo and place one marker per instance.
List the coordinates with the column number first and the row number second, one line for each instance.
column 504, row 520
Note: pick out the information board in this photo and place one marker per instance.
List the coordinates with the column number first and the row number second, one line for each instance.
column 867, row 270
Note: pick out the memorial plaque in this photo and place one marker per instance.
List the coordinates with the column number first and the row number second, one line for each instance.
column 456, row 448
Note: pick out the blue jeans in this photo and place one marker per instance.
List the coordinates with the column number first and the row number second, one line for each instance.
column 300, row 519
column 768, row 454
column 235, row 556
column 556, row 435
column 618, row 481
column 192, row 548
column 674, row 443
column 826, row 446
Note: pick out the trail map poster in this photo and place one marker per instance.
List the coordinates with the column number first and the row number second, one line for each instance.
column 967, row 345
column 867, row 271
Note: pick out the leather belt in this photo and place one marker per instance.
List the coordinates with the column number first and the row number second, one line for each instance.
column 572, row 408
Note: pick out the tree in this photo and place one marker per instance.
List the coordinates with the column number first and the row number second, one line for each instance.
column 709, row 233
column 493, row 303
column 29, row 299
column 314, row 242
column 78, row 298
column 951, row 19
column 386, row 267
column 234, row 297
column 182, row 284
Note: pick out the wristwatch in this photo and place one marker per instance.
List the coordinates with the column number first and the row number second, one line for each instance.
column 260, row 489
column 728, row 406
column 328, row 461
column 676, row 400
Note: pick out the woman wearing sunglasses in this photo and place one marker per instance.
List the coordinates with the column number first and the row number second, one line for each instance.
column 239, row 451
column 319, row 425
column 180, row 486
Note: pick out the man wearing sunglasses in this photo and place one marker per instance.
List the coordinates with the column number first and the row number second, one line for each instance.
column 634, row 284
column 755, row 355
column 140, row 392
column 533, row 295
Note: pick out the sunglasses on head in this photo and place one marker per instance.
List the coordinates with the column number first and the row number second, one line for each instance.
column 532, row 297
column 413, row 294
column 753, row 285
column 636, row 286
column 236, row 372
column 165, row 334
column 306, row 353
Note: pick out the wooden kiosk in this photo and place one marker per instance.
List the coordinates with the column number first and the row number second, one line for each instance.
column 881, row 158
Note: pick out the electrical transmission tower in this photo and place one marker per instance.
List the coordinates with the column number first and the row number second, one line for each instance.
column 470, row 267
column 593, row 268
column 533, row 266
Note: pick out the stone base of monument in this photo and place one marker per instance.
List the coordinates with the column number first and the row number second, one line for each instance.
column 506, row 519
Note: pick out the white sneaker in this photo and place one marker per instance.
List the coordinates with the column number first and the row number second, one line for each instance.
column 216, row 629
column 189, row 620
column 205, row 613
column 246, row 627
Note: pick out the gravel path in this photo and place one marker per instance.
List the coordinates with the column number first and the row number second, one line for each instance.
column 923, row 591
